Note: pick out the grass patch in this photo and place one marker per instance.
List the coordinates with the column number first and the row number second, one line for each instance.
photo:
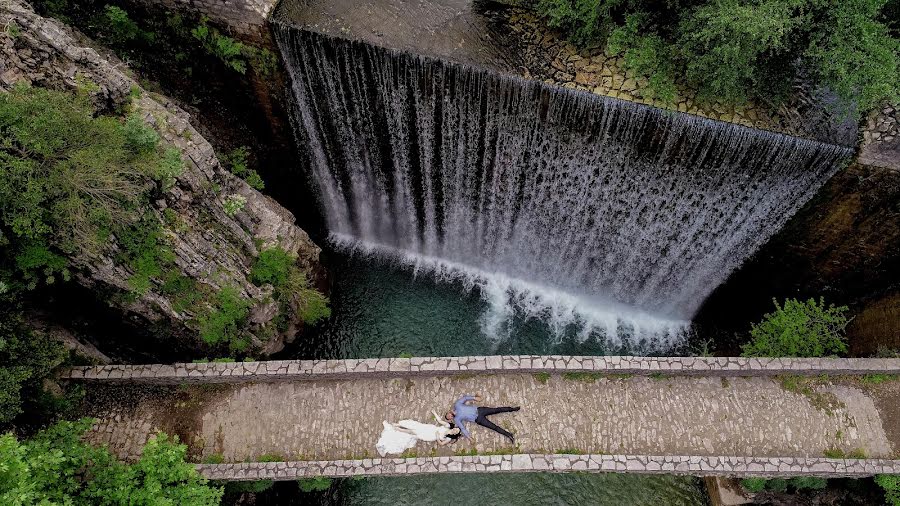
column 570, row 451
column 318, row 484
column 215, row 458
column 823, row 401
column 834, row 453
column 725, row 382
column 271, row 457
column 658, row 376
column 582, row 376
column 877, row 379
column 542, row 377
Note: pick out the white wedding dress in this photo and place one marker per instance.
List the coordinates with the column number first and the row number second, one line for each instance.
column 401, row 436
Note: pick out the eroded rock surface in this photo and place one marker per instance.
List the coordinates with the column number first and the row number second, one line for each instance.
column 211, row 246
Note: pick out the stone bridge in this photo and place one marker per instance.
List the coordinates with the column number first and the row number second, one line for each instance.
column 285, row 420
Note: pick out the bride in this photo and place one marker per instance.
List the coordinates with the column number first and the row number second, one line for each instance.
column 403, row 435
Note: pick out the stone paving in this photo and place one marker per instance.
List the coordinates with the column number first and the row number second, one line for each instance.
column 639, row 415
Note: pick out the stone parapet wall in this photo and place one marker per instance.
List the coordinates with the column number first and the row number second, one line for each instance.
column 771, row 467
column 288, row 370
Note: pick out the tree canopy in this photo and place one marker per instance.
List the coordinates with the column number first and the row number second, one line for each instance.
column 737, row 49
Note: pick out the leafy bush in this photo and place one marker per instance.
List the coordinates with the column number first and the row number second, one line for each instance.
column 799, row 329
column 318, row 484
column 272, row 266
column 57, row 467
column 26, row 359
column 891, row 485
column 276, row 267
column 236, row 162
column 233, row 204
column 735, row 49
column 755, row 485
column 226, row 49
column 224, row 321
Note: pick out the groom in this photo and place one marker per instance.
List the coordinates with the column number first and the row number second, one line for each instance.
column 464, row 412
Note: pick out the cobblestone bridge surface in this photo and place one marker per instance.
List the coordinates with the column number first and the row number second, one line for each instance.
column 659, row 418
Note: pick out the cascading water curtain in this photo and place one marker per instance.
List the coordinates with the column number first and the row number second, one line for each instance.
column 554, row 202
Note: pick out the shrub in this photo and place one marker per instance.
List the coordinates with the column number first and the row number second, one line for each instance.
column 276, row 267
column 272, row 266
column 754, row 484
column 226, row 49
column 799, row 329
column 57, row 467
column 224, row 322
column 808, row 483
column 891, row 485
column 234, row 204
column 318, row 484
column 236, row 162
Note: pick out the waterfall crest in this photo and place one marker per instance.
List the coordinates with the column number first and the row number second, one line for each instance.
column 597, row 198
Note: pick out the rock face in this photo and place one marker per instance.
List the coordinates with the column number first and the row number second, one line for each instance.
column 212, row 246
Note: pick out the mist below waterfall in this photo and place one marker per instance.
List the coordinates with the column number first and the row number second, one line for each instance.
column 612, row 216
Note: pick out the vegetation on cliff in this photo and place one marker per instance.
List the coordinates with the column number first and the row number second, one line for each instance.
column 799, row 329
column 737, row 50
column 57, row 467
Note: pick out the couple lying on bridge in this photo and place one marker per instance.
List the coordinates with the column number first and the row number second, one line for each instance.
column 403, row 435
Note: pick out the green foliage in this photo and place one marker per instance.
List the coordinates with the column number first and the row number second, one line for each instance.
column 646, row 56
column 891, row 485
column 724, row 43
column 582, row 376
column 736, row 49
column 233, row 204
column 68, row 178
column 542, row 377
column 276, row 267
column 248, row 487
column 26, row 358
column 57, row 467
column 119, row 28
column 755, row 485
column 224, row 322
column 877, row 379
column 834, row 453
column 808, row 483
column 226, row 49
column 799, row 329
column 854, row 54
column 215, row 458
column 318, row 484
column 236, row 162
column 272, row 266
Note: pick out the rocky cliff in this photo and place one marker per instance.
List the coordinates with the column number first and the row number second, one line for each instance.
column 214, row 222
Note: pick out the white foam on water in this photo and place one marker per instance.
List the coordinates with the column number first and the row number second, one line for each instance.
column 509, row 297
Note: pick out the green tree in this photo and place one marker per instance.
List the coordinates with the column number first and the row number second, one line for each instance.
column 57, row 467
column 799, row 329
column 736, row 49
column 891, row 485
column 68, row 179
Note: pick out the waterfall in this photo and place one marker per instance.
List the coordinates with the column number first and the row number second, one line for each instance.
column 555, row 201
